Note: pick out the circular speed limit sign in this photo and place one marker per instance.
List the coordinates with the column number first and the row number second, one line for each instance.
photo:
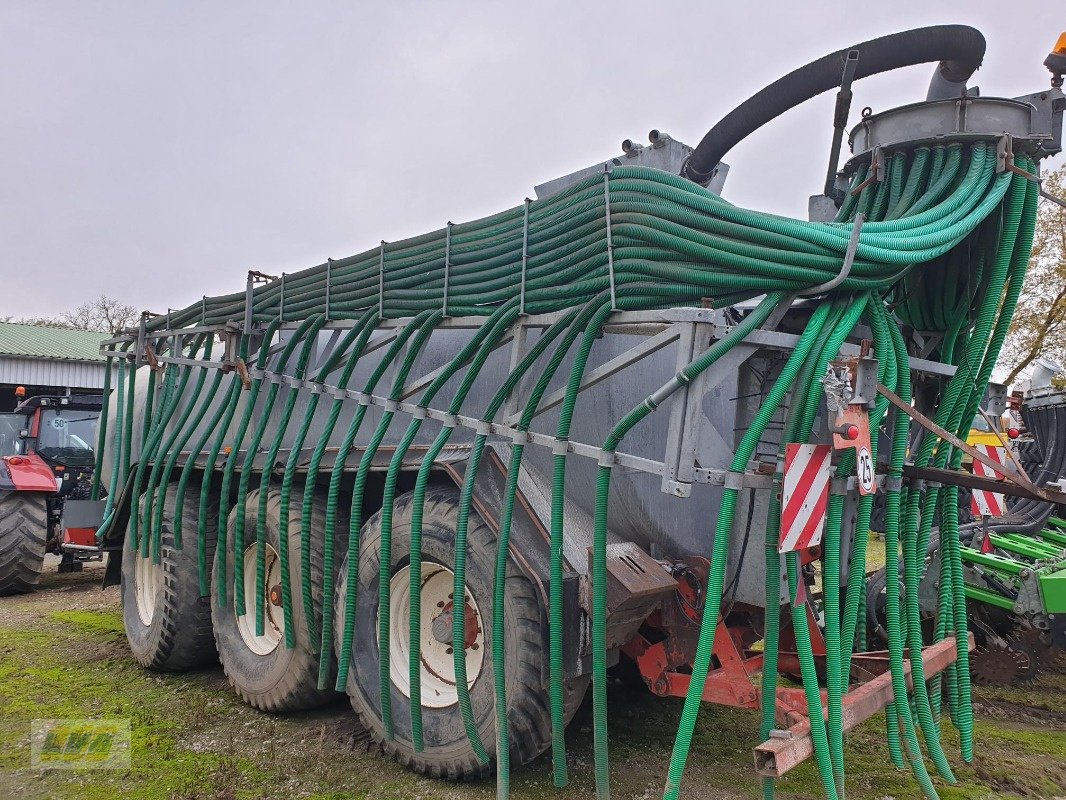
column 59, row 423
column 866, row 471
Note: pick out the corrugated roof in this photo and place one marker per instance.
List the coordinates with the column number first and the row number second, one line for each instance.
column 41, row 341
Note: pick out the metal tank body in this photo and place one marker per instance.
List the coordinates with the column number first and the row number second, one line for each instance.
column 641, row 511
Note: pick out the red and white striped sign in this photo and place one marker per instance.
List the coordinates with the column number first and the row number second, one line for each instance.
column 984, row 502
column 805, row 496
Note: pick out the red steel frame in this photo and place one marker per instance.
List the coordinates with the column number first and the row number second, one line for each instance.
column 733, row 681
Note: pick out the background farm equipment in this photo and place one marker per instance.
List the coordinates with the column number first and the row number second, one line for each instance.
column 460, row 476
column 46, row 465
column 1014, row 562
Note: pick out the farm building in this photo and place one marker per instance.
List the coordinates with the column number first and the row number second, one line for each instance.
column 47, row 359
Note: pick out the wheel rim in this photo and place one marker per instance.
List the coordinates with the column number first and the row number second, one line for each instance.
column 438, row 689
column 148, row 579
column 273, row 617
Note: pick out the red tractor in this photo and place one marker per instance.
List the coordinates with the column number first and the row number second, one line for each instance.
column 46, row 458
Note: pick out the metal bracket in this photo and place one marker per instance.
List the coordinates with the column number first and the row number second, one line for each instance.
column 329, row 281
column 381, row 280
column 1048, row 196
column 525, row 258
column 242, row 371
column 151, row 359
column 610, row 244
column 447, row 263
column 977, row 455
column 849, row 261
column 840, row 119
column 254, row 277
column 1005, row 158
column 877, row 171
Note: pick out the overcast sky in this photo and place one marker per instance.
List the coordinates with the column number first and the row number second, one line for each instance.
column 155, row 151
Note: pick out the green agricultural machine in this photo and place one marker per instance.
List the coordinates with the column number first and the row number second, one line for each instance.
column 1014, row 565
column 461, row 477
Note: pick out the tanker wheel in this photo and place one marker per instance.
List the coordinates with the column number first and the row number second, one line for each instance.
column 262, row 670
column 447, row 752
column 23, row 535
column 168, row 623
column 877, row 600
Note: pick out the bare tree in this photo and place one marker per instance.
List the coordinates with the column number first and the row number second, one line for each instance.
column 1039, row 324
column 104, row 314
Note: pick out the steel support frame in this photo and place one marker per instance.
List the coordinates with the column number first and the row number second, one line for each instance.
column 692, row 329
column 786, row 749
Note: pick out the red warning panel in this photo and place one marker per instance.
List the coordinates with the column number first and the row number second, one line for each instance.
column 984, row 502
column 805, row 495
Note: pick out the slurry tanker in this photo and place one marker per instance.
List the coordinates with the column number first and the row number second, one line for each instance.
column 461, row 476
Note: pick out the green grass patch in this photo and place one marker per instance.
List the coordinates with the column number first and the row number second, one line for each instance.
column 97, row 621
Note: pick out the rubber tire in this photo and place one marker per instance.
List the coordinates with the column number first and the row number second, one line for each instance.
column 876, row 582
column 447, row 752
column 179, row 636
column 283, row 680
column 23, row 537
column 876, row 632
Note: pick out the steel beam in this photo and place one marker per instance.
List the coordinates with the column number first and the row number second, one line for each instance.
column 790, row 748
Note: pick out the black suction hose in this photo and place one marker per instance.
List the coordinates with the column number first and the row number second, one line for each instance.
column 958, row 48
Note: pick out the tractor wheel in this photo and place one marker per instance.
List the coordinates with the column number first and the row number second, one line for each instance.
column 447, row 752
column 262, row 670
column 23, row 534
column 168, row 623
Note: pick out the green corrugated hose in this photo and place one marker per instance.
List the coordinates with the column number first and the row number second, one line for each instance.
column 671, row 243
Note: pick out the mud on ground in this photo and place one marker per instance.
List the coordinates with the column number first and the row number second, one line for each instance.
column 63, row 655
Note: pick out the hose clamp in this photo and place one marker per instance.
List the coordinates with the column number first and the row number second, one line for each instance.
column 392, row 406
column 363, row 398
column 893, row 483
column 520, row 437
column 483, row 427
column 450, row 420
column 839, row 486
column 560, row 447
column 418, row 412
column 294, row 382
column 608, row 458
column 315, row 388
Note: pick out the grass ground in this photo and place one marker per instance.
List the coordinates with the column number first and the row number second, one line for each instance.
column 63, row 655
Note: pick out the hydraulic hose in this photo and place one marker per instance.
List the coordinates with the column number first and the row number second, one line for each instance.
column 365, row 326
column 397, row 346
column 308, row 334
column 599, row 549
column 702, row 661
column 959, row 49
column 943, row 249
column 288, row 477
column 183, row 434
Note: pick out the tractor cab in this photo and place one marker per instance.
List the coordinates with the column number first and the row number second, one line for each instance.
column 60, row 430
column 12, row 426
column 47, row 458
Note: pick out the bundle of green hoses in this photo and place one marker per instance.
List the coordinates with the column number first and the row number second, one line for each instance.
column 944, row 248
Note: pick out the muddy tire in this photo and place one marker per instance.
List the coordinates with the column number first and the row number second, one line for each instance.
column 168, row 623
column 262, row 670
column 23, row 535
column 447, row 753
